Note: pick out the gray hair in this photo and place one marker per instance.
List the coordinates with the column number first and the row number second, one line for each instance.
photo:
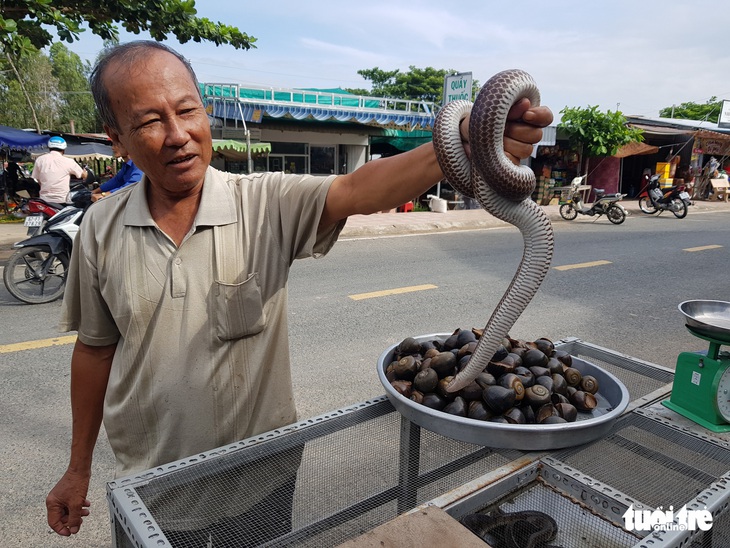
column 130, row 53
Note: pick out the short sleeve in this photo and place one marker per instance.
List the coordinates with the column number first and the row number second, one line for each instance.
column 95, row 326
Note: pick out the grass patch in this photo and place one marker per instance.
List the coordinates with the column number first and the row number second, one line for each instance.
column 10, row 219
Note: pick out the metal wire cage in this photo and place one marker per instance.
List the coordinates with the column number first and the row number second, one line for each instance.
column 329, row 479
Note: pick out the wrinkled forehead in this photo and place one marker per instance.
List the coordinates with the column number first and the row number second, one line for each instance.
column 141, row 62
column 136, row 83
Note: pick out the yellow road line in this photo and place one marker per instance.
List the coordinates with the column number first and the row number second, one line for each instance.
column 703, row 247
column 396, row 291
column 43, row 343
column 582, row 265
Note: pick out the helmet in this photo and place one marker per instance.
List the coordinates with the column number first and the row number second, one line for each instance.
column 58, row 143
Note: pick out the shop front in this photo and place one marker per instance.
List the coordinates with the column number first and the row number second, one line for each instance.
column 321, row 132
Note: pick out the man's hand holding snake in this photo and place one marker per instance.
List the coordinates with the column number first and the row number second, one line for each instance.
column 523, row 131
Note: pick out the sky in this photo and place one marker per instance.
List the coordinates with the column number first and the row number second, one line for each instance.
column 634, row 56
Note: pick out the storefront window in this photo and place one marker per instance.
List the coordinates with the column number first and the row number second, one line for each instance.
column 323, row 160
column 295, row 164
column 236, row 167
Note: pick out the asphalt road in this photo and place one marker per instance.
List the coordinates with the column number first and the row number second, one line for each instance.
column 626, row 302
column 615, row 286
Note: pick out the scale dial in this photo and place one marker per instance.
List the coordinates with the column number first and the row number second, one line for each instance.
column 722, row 396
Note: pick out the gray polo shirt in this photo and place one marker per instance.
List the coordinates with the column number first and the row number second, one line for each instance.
column 202, row 354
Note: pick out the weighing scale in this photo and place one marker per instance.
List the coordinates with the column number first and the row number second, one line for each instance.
column 701, row 387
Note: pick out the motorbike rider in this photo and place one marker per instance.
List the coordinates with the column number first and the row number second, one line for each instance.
column 53, row 171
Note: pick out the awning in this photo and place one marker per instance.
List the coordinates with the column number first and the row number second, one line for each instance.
column 634, row 149
column 662, row 130
column 237, row 150
column 402, row 140
column 17, row 139
column 708, row 134
column 83, row 152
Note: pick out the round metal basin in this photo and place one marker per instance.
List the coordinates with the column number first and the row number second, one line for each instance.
column 708, row 318
column 613, row 398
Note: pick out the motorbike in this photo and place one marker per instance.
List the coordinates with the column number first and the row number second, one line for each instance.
column 654, row 199
column 36, row 272
column 39, row 211
column 605, row 204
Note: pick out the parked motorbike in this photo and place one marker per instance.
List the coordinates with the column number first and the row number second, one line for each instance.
column 605, row 204
column 36, row 272
column 655, row 199
column 39, row 211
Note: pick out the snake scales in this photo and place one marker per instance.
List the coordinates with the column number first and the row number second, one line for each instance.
column 504, row 190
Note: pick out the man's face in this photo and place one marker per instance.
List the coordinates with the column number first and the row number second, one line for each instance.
column 162, row 122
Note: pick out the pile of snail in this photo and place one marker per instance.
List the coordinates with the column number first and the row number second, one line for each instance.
column 526, row 382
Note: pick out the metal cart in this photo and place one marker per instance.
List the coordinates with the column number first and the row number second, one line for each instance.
column 362, row 466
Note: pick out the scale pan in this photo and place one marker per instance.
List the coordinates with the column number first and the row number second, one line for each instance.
column 708, row 318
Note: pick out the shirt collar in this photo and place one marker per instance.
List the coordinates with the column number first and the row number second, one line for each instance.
column 217, row 204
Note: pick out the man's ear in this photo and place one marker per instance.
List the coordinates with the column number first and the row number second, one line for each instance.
column 114, row 136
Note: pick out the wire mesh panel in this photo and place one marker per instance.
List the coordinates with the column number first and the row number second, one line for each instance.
column 655, row 464
column 309, row 487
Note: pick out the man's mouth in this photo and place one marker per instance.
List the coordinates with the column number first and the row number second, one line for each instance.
column 182, row 160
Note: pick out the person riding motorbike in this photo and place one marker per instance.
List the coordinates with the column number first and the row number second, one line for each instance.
column 53, row 172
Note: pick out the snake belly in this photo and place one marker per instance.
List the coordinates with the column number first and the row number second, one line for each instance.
column 504, row 190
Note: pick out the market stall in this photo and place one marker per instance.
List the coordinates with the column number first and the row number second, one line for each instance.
column 709, row 145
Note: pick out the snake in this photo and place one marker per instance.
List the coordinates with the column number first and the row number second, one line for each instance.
column 525, row 529
column 504, row 190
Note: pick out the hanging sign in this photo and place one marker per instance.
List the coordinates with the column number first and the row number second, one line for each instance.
column 718, row 147
column 457, row 87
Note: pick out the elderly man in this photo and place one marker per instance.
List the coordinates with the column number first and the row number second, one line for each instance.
column 177, row 287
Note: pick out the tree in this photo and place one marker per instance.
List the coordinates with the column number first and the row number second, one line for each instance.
column 417, row 84
column 694, row 111
column 597, row 134
column 30, row 97
column 76, row 105
column 381, row 81
column 25, row 24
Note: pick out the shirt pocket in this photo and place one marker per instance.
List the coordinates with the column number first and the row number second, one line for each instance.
column 239, row 309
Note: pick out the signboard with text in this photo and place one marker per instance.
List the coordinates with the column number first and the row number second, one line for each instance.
column 457, row 87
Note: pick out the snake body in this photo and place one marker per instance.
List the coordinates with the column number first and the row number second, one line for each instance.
column 504, row 190
column 525, row 529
